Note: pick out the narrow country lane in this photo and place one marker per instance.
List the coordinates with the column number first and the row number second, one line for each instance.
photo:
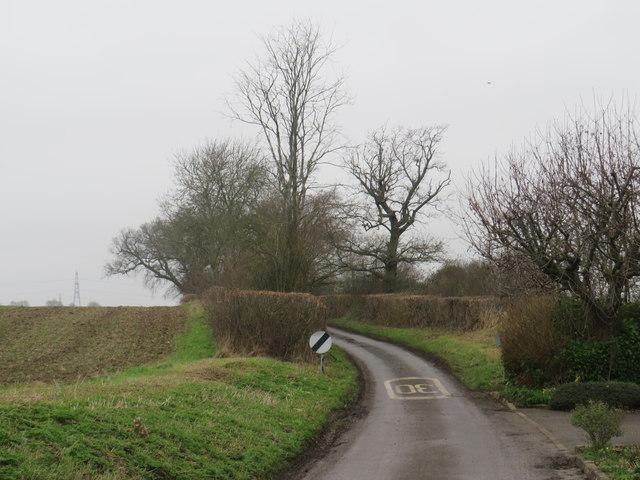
column 422, row 424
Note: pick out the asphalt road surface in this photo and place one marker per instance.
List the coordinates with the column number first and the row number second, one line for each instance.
column 420, row 423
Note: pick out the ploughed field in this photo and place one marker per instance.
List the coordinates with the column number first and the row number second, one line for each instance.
column 46, row 344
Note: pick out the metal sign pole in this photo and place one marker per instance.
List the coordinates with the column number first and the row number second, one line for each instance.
column 322, row 364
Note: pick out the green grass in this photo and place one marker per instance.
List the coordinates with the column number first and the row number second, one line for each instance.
column 473, row 356
column 194, row 343
column 619, row 463
column 207, row 418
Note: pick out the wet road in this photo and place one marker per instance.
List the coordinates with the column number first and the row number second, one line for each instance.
column 422, row 424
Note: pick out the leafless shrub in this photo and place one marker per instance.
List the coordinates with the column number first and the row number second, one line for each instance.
column 531, row 340
column 274, row 324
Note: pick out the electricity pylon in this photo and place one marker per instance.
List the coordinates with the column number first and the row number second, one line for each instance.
column 76, row 293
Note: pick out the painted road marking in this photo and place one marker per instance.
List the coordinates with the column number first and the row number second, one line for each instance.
column 415, row 388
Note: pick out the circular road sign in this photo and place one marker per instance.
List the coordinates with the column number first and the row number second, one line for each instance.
column 320, row 342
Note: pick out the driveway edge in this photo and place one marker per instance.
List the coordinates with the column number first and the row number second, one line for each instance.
column 589, row 468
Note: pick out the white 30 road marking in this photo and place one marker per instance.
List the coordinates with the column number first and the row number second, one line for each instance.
column 415, row 388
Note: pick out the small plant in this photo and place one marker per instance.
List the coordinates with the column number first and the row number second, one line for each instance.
column 599, row 421
column 140, row 428
column 525, row 397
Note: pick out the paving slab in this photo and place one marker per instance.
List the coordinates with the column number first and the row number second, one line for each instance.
column 559, row 425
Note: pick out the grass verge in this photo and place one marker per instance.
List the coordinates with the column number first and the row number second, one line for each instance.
column 472, row 356
column 619, row 463
column 185, row 417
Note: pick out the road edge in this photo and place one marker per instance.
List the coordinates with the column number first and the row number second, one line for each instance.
column 588, row 467
column 338, row 423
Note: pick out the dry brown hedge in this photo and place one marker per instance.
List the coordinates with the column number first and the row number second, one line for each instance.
column 264, row 323
column 410, row 311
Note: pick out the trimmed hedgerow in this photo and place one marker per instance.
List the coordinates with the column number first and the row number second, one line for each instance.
column 251, row 323
column 417, row 311
column 614, row 394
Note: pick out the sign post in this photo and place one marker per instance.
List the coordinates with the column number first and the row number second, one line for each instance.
column 320, row 342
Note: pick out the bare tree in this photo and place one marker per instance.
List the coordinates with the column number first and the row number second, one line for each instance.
column 565, row 208
column 320, row 225
column 148, row 249
column 470, row 278
column 285, row 95
column 19, row 303
column 398, row 174
column 198, row 241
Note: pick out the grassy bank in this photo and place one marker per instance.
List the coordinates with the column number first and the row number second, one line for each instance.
column 185, row 416
column 472, row 356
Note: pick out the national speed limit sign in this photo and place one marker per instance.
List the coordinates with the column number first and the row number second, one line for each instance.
column 320, row 342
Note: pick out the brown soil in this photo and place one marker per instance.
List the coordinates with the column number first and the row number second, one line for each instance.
column 47, row 344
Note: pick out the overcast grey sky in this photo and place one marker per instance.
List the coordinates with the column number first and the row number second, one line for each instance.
column 96, row 97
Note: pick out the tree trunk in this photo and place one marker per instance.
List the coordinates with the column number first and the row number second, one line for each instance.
column 391, row 263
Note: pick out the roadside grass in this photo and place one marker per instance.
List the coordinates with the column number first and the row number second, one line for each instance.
column 619, row 463
column 472, row 356
column 215, row 418
column 187, row 416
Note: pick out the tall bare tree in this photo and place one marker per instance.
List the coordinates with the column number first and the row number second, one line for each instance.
column 565, row 207
column 285, row 94
column 398, row 175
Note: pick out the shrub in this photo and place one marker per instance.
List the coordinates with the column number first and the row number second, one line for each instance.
column 599, row 421
column 531, row 342
column 614, row 394
column 625, row 351
column 617, row 357
column 264, row 323
column 342, row 305
column 189, row 297
column 587, row 360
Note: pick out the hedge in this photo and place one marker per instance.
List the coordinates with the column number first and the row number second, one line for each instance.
column 614, row 394
column 271, row 324
column 411, row 311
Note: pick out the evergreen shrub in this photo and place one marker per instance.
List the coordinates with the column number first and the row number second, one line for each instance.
column 614, row 394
